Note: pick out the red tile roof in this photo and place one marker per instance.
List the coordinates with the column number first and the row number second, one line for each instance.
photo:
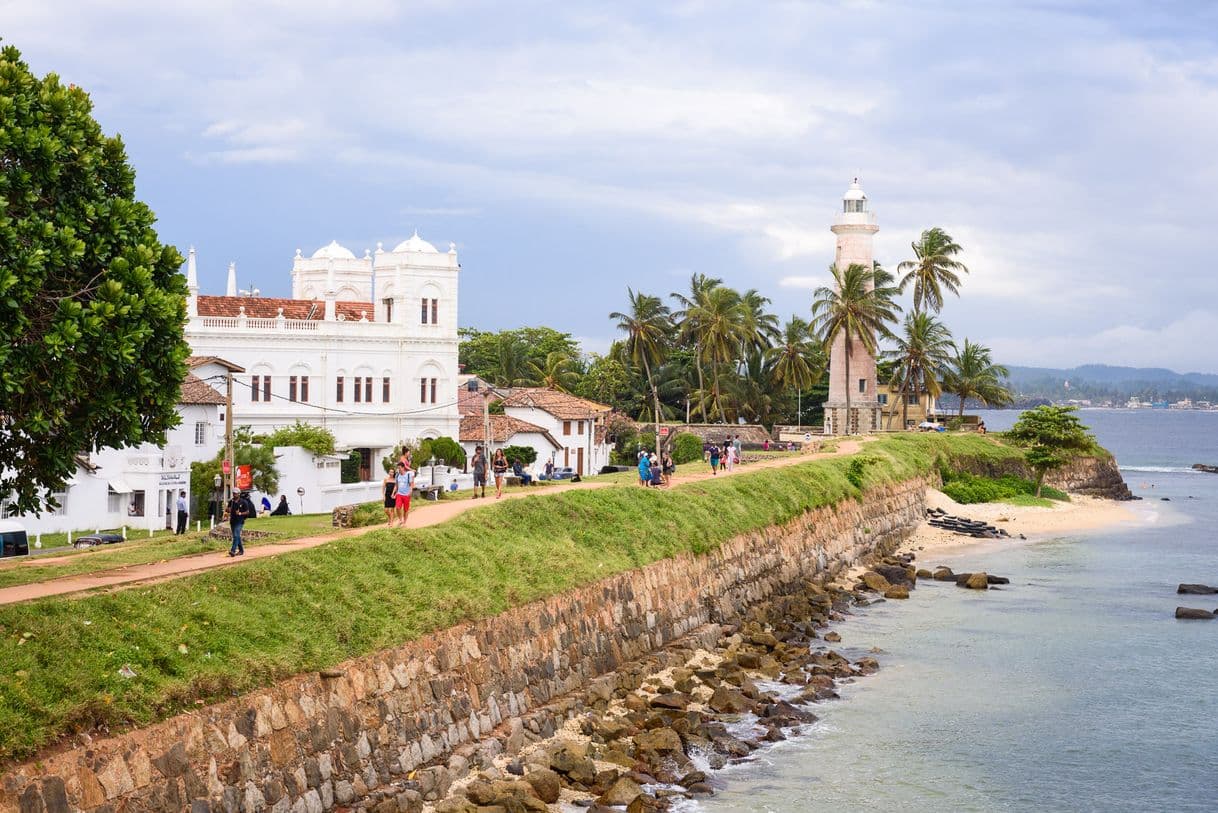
column 559, row 404
column 199, row 361
column 265, row 307
column 196, row 391
column 503, row 428
column 469, row 403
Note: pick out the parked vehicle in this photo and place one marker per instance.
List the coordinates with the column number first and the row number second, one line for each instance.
column 13, row 539
column 93, row 540
column 565, row 473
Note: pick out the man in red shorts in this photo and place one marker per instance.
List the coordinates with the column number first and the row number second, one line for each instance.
column 403, row 483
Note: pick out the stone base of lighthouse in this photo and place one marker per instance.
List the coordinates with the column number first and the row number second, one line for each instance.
column 865, row 417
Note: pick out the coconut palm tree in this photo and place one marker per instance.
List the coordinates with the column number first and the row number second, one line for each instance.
column 797, row 359
column 855, row 310
column 558, row 371
column 973, row 374
column 721, row 329
column 647, row 327
column 934, row 268
column 760, row 327
column 923, row 351
column 510, row 365
column 689, row 330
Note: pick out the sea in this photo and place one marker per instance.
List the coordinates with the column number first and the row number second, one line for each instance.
column 1071, row 689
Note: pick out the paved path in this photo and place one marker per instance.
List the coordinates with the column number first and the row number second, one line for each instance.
column 132, row 575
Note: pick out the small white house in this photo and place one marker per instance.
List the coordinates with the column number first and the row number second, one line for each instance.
column 136, row 486
column 577, row 424
column 508, row 431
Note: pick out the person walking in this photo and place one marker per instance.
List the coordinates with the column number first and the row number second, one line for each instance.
column 403, row 484
column 183, row 512
column 479, row 465
column 389, row 485
column 240, row 508
column 714, row 460
column 499, row 466
column 644, row 470
column 669, row 468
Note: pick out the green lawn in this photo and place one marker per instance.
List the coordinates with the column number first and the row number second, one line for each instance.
column 207, row 636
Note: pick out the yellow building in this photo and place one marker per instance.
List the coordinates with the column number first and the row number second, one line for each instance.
column 913, row 412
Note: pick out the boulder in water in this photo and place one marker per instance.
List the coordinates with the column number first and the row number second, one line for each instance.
column 1196, row 589
column 875, row 581
column 973, row 581
column 897, row 591
column 1193, row 613
column 943, row 574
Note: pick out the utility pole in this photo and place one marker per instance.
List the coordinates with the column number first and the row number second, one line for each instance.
column 228, row 437
column 486, row 422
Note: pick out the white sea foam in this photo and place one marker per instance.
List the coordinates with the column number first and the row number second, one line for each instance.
column 1163, row 469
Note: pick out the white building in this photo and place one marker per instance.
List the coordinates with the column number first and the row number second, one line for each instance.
column 366, row 347
column 577, row 424
column 137, row 487
column 508, row 431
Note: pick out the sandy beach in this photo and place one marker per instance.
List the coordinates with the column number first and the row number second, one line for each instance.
column 1081, row 514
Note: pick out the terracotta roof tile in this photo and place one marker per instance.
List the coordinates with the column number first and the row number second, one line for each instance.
column 199, row 361
column 503, row 427
column 196, row 391
column 559, row 404
column 265, row 307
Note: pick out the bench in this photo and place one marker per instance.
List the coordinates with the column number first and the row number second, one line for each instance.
column 430, row 492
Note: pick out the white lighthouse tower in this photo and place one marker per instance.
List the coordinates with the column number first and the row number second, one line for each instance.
column 854, row 226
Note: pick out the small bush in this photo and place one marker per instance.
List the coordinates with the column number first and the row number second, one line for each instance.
column 967, row 488
column 686, row 448
column 527, row 455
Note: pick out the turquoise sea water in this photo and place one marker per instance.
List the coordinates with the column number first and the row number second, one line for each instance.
column 1073, row 689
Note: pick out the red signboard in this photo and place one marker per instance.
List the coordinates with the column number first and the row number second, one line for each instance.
column 245, row 478
column 225, row 467
column 663, row 431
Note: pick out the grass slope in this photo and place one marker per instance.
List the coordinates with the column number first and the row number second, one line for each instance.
column 206, row 637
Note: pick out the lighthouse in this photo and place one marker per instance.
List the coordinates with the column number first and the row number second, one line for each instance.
column 855, row 226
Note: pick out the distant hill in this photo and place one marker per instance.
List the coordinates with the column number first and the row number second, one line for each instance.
column 1105, row 381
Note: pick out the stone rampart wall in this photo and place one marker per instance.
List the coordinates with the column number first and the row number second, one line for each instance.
column 452, row 700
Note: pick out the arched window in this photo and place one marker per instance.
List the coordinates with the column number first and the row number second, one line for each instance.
column 260, row 382
column 431, row 379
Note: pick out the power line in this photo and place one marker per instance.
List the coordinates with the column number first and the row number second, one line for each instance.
column 311, row 405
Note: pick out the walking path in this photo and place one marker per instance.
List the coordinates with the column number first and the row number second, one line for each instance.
column 132, row 575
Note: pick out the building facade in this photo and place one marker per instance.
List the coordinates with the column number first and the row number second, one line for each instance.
column 855, row 227
column 576, row 423
column 366, row 347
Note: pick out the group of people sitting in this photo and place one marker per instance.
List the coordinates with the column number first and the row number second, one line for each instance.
column 654, row 470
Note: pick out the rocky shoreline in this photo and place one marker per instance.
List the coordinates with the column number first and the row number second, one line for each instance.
column 649, row 734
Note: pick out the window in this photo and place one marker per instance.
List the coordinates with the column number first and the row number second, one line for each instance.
column 566, row 427
column 292, row 388
column 254, row 383
column 266, row 388
column 304, row 388
column 433, row 390
column 424, row 310
column 357, row 389
column 911, row 398
column 882, row 398
column 338, row 389
column 388, row 302
column 368, row 389
column 422, row 390
column 385, row 389
column 435, row 307
column 581, row 427
column 862, row 385
column 200, row 433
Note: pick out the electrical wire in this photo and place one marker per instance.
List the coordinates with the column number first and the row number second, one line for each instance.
column 274, row 395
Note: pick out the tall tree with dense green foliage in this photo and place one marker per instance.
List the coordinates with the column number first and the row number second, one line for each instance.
column 647, row 327
column 508, row 353
column 722, row 329
column 923, row 350
column 933, row 269
column 92, row 306
column 1051, row 434
column 854, row 309
column 797, row 361
column 973, row 374
column 558, row 371
column 689, row 330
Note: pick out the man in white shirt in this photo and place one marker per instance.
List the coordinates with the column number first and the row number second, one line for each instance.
column 183, row 512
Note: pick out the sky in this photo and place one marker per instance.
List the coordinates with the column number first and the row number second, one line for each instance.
column 572, row 150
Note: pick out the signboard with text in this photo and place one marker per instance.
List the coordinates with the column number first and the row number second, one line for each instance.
column 245, row 478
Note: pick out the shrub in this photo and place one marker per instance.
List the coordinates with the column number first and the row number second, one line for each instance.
column 446, row 449
column 686, row 448
column 527, row 455
column 315, row 439
column 967, row 488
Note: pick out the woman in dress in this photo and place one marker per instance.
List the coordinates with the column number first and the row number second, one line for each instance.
column 714, row 459
column 388, row 485
column 499, row 466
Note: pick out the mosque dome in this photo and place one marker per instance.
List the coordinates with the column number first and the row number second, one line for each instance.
column 333, row 252
column 416, row 243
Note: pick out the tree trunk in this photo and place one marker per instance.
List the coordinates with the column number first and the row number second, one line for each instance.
column 655, row 401
column 961, row 415
column 718, row 397
column 701, row 383
column 1040, row 480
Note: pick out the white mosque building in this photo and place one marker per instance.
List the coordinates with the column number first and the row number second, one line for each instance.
column 366, row 346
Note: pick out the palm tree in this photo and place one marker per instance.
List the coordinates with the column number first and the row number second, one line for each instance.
column 855, row 310
column 923, row 350
column 973, row 374
column 510, row 363
column 760, row 328
column 934, row 269
column 647, row 327
column 689, row 331
column 796, row 360
column 557, row 372
column 720, row 321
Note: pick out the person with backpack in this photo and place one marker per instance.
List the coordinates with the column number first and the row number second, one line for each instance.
column 240, row 508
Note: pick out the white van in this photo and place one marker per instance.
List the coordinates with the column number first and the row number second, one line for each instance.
column 13, row 541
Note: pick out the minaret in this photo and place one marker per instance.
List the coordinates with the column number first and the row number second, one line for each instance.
column 854, row 226
column 231, row 288
column 192, row 284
